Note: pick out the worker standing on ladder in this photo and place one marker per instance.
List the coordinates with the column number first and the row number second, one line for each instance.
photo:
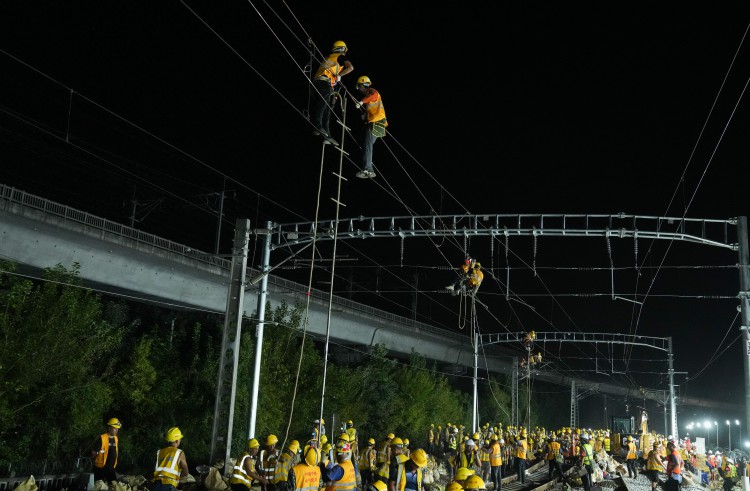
column 334, row 66
column 375, row 124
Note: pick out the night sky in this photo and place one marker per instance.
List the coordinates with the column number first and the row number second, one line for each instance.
column 540, row 108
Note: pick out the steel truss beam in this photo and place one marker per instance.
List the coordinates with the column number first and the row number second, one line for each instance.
column 712, row 232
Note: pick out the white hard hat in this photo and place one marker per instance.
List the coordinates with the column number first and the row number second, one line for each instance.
column 469, row 442
column 502, row 440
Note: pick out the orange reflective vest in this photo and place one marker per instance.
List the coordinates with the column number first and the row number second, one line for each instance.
column 306, row 477
column 329, row 70
column 496, row 455
column 101, row 457
column 374, row 106
column 521, row 448
column 553, row 449
column 632, row 455
column 674, row 463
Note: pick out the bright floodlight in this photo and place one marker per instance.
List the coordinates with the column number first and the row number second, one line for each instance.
column 716, row 424
column 707, row 423
column 698, row 424
column 737, row 422
column 747, row 444
column 727, row 421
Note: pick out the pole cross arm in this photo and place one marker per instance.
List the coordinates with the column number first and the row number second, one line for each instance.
column 661, row 344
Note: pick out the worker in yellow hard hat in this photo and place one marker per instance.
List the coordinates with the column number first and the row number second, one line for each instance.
column 384, row 450
column 244, row 474
column 521, row 450
column 368, row 463
column 284, row 464
column 408, row 473
column 171, row 464
column 341, row 476
column 106, row 448
column 305, row 476
column 329, row 73
column 267, row 458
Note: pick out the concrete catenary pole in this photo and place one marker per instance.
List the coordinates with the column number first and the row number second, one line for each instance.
column 261, row 321
column 745, row 307
column 672, row 405
column 476, row 400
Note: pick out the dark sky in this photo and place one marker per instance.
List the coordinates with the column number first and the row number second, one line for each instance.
column 540, row 108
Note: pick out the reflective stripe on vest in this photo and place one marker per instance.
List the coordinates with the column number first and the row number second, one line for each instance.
column 167, row 465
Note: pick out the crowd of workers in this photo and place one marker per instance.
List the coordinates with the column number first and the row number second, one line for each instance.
column 474, row 460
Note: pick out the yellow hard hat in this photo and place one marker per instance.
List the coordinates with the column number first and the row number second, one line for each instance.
column 173, row 434
column 294, row 446
column 327, row 447
column 406, row 441
column 253, row 443
column 322, row 421
column 323, row 440
column 454, row 486
column 339, row 47
column 475, row 436
column 344, row 436
column 630, row 438
column 397, row 441
column 271, row 440
column 379, row 485
column 114, row 423
column 419, row 456
column 462, row 473
column 312, row 456
column 474, row 482
column 371, row 441
column 391, row 436
column 364, row 81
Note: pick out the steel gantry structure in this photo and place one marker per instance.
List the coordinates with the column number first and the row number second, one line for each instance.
column 527, row 340
column 723, row 233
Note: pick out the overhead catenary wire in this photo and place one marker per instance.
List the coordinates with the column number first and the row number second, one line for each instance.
column 637, row 310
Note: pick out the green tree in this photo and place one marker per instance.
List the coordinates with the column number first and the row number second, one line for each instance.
column 56, row 353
